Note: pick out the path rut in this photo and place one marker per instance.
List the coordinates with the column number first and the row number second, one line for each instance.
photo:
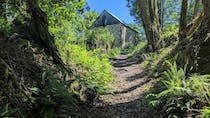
column 127, row 100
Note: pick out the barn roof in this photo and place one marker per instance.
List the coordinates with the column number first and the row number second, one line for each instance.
column 107, row 18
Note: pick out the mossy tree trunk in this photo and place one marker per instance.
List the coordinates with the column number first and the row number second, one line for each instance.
column 198, row 16
column 183, row 20
column 151, row 23
column 37, row 30
column 203, row 58
column 206, row 4
column 196, row 8
column 194, row 50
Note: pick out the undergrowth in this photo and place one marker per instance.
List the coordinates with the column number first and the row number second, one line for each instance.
column 138, row 49
column 54, row 98
column 92, row 68
column 182, row 95
column 113, row 52
column 151, row 60
column 31, row 85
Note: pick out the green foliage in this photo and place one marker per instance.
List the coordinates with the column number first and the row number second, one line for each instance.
column 152, row 59
column 93, row 67
column 5, row 25
column 174, row 80
column 6, row 112
column 200, row 87
column 69, row 23
column 140, row 46
column 77, row 31
column 52, row 95
column 113, row 52
column 58, row 11
column 172, row 11
column 170, row 29
column 138, row 49
column 181, row 94
column 49, row 96
column 101, row 37
column 71, row 29
column 172, row 95
column 205, row 112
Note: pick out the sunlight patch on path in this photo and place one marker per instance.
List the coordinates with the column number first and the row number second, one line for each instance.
column 127, row 99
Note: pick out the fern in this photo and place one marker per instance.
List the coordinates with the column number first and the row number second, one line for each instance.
column 182, row 93
column 174, row 81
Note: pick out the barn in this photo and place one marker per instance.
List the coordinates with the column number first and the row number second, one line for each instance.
column 123, row 33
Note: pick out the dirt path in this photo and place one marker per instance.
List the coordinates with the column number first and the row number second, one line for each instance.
column 127, row 100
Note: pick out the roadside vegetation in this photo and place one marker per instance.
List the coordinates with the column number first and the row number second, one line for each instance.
column 66, row 61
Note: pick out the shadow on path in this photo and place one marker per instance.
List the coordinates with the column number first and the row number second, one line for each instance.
column 132, row 88
column 123, row 61
column 137, row 76
column 127, row 101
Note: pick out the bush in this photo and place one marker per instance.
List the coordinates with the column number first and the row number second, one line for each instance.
column 92, row 68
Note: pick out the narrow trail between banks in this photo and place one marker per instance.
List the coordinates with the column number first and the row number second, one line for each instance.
column 127, row 99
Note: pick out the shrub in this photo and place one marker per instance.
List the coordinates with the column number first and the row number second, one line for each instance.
column 93, row 68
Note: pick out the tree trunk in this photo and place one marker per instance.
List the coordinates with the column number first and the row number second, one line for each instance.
column 194, row 24
column 161, row 12
column 196, row 51
column 206, row 5
column 144, row 13
column 150, row 19
column 154, row 16
column 183, row 20
column 38, row 30
column 156, row 29
column 196, row 7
